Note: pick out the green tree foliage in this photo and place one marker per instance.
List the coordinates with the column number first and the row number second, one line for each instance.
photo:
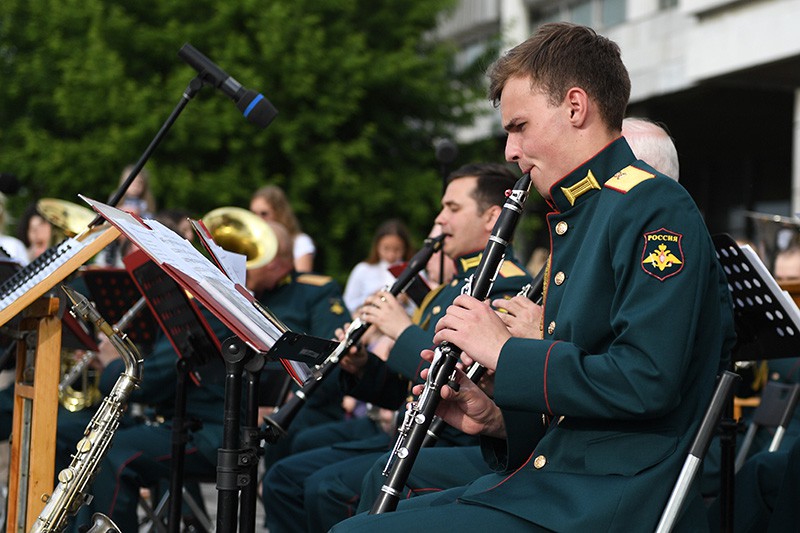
column 360, row 88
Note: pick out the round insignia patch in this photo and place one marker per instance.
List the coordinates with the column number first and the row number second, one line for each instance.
column 662, row 256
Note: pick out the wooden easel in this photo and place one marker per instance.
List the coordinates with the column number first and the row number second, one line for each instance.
column 33, row 434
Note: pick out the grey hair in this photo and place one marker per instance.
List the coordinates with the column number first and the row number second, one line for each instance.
column 651, row 143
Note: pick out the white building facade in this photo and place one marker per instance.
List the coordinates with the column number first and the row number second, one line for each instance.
column 723, row 75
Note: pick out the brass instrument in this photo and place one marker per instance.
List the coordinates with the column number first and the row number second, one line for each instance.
column 241, row 231
column 70, row 493
column 72, row 399
column 67, row 218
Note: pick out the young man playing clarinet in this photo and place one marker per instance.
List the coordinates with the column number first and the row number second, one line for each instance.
column 591, row 421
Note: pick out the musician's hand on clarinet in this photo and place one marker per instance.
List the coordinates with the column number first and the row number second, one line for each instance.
column 386, row 313
column 469, row 409
column 522, row 317
column 356, row 357
column 474, row 327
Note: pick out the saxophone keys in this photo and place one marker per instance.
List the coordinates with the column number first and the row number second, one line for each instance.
column 65, row 476
column 84, row 445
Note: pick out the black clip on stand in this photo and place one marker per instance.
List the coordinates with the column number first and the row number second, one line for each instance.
column 237, row 460
column 767, row 327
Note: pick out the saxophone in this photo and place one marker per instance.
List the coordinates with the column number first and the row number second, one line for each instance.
column 70, row 493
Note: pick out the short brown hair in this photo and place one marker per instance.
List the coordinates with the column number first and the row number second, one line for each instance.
column 493, row 180
column 562, row 55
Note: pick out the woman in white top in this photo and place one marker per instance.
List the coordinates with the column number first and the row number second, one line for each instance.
column 271, row 204
column 391, row 244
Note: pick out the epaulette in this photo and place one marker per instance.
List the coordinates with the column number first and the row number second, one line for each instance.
column 314, row 279
column 628, row 178
column 510, row 270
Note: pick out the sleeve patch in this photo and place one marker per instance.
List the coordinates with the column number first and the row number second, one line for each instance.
column 662, row 256
column 510, row 270
column 314, row 279
column 628, row 178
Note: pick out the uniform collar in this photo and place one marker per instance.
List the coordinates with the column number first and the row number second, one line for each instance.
column 467, row 263
column 587, row 179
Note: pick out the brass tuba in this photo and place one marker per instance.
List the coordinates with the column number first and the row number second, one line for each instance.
column 241, row 231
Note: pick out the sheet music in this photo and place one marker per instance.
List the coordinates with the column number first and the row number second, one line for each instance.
column 232, row 264
column 221, row 295
column 788, row 302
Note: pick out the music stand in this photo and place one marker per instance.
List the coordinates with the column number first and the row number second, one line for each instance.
column 197, row 348
column 113, row 292
column 767, row 325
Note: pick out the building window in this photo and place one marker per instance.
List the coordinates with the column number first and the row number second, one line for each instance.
column 598, row 14
column 581, row 13
column 612, row 12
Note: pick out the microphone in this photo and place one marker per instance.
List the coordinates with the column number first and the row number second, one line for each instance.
column 446, row 150
column 253, row 105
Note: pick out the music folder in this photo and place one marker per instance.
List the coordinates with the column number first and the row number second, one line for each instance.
column 228, row 300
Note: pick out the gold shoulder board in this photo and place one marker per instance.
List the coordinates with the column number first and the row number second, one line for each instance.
column 510, row 270
column 313, row 279
column 628, row 178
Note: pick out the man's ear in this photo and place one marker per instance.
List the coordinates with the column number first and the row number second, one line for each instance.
column 490, row 216
column 577, row 102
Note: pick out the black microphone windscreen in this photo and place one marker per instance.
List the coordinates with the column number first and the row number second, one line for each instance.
column 256, row 108
column 446, row 151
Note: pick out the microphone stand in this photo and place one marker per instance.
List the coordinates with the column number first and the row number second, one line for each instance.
column 191, row 90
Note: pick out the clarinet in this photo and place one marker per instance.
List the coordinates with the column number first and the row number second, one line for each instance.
column 442, row 371
column 533, row 291
column 278, row 423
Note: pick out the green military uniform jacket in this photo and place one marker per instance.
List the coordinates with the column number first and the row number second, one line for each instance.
column 386, row 383
column 637, row 317
column 311, row 304
column 157, row 389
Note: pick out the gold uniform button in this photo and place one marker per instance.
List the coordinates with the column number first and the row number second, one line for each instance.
column 561, row 228
column 539, row 462
column 436, row 310
column 551, row 327
column 454, row 283
column 560, row 277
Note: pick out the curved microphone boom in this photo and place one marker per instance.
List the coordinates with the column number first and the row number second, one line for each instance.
column 252, row 104
column 280, row 420
column 420, row 414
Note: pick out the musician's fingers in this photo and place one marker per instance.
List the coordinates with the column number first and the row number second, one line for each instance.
column 466, row 301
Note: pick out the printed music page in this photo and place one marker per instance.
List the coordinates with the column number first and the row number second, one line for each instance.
column 228, row 300
column 232, row 264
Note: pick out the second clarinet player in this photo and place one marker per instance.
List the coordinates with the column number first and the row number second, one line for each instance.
column 471, row 204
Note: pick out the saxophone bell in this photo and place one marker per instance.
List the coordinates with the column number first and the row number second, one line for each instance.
column 102, row 524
